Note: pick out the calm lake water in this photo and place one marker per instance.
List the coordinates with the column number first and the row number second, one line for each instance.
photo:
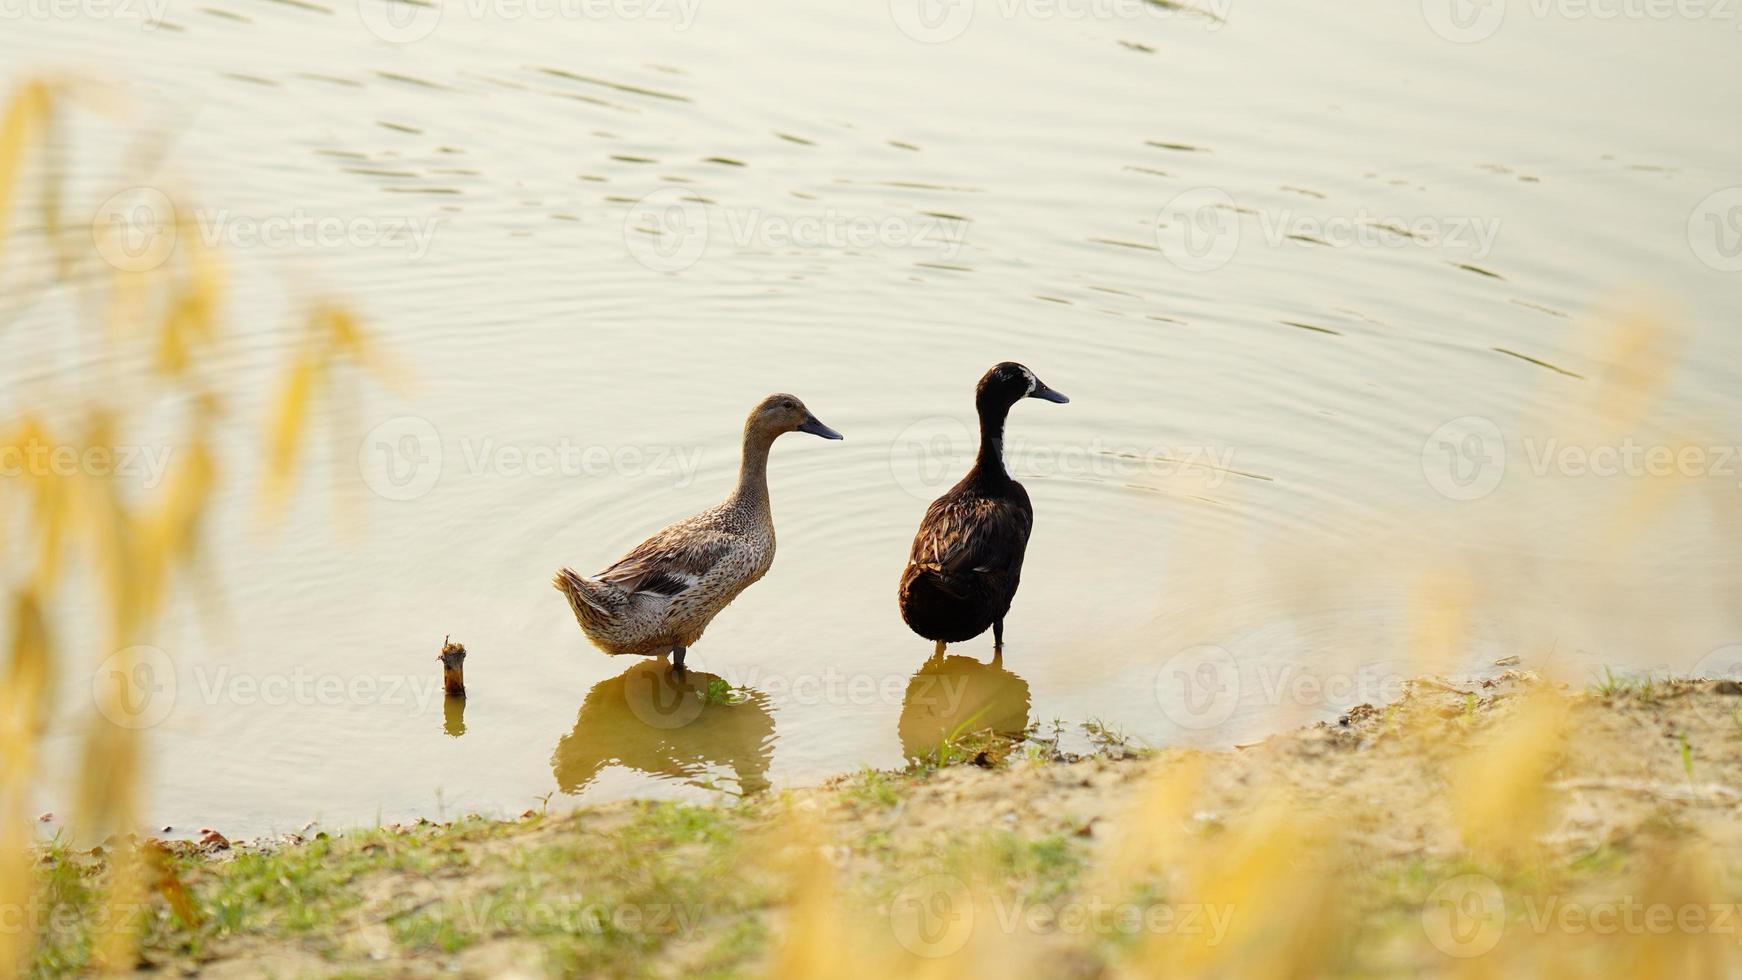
column 1328, row 284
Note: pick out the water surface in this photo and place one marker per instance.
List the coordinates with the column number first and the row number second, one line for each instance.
column 1270, row 253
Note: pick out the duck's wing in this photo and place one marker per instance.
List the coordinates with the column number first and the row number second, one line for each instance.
column 671, row 562
column 973, row 536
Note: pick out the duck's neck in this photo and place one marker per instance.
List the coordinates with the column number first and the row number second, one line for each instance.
column 989, row 464
column 751, row 496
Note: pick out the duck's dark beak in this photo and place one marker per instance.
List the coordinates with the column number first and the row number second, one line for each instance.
column 1043, row 392
column 816, row 428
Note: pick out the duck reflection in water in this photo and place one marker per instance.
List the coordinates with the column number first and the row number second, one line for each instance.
column 686, row 727
column 950, row 697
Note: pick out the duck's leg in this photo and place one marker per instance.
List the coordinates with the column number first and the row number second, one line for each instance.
column 940, row 649
column 677, row 655
column 998, row 635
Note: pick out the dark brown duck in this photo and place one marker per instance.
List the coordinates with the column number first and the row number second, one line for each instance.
column 967, row 557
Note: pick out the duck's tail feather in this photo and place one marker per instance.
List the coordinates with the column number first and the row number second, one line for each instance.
column 591, row 601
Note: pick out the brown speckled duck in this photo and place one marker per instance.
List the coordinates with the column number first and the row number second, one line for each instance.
column 659, row 597
column 967, row 557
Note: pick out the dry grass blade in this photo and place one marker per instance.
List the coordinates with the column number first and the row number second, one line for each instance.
column 290, row 418
column 1500, row 792
column 25, row 692
column 21, row 127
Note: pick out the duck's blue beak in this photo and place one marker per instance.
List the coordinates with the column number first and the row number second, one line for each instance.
column 816, row 428
column 1043, row 392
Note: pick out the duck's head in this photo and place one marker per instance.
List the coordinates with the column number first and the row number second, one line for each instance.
column 1008, row 383
column 785, row 413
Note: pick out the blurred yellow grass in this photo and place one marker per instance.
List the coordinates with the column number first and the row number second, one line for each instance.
column 21, row 129
column 136, row 541
column 1499, row 789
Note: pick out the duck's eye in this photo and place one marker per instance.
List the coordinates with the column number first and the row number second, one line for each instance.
column 787, row 405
